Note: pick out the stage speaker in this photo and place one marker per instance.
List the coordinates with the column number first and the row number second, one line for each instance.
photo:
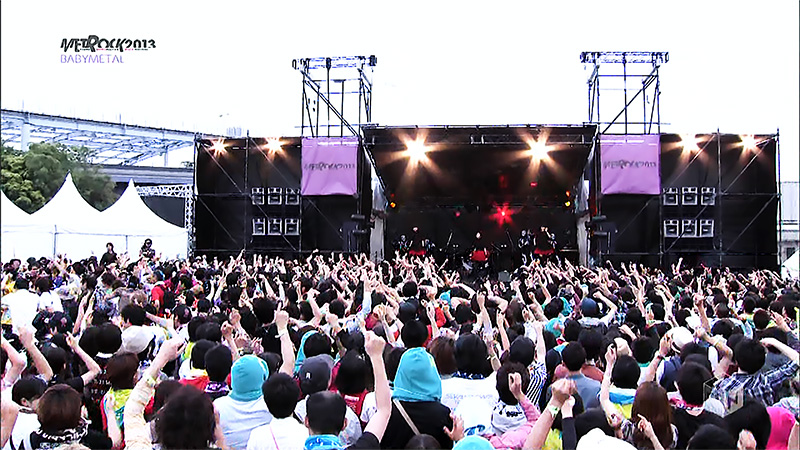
column 259, row 226
column 291, row 227
column 706, row 228
column 671, row 228
column 274, row 196
column 689, row 195
column 275, row 227
column 257, row 195
column 292, row 196
column 670, row 196
column 708, row 196
column 688, row 228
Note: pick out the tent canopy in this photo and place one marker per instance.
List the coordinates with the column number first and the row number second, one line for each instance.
column 791, row 267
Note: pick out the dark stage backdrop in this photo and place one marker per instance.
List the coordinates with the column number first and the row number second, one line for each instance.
column 743, row 211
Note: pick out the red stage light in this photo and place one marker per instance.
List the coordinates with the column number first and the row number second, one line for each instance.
column 393, row 205
column 458, row 213
column 503, row 213
column 534, row 184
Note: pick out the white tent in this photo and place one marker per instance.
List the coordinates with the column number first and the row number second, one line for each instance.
column 137, row 222
column 68, row 225
column 791, row 267
column 21, row 237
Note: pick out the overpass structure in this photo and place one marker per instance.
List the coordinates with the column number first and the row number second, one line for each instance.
column 113, row 143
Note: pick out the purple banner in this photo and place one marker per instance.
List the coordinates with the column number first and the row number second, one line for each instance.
column 329, row 166
column 629, row 164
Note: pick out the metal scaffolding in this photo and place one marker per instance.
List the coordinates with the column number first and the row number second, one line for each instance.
column 343, row 72
column 612, row 67
column 184, row 191
column 112, row 143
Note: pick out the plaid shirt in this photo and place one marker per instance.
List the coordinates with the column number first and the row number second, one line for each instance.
column 760, row 385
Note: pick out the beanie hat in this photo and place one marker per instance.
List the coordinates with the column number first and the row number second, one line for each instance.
column 247, row 375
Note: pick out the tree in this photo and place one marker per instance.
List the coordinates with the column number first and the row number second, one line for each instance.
column 31, row 178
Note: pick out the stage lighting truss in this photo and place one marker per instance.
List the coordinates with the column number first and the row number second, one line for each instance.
column 670, row 196
column 274, row 196
column 275, row 226
column 689, row 196
column 257, row 195
column 259, row 226
column 292, row 196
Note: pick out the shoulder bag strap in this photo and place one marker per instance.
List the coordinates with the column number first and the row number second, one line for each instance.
column 405, row 417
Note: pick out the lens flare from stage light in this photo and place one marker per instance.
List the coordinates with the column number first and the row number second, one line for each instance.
column 218, row 148
column 749, row 142
column 273, row 146
column 538, row 149
column 417, row 150
column 689, row 143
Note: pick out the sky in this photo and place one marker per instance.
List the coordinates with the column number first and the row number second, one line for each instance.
column 734, row 65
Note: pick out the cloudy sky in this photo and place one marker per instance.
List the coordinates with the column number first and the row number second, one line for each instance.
column 733, row 64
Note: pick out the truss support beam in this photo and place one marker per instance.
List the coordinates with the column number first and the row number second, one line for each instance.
column 184, row 191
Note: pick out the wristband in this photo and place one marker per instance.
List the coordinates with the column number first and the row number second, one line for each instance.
column 553, row 410
column 282, row 333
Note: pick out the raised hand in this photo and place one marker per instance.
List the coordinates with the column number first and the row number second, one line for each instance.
column 457, row 433
column 374, row 345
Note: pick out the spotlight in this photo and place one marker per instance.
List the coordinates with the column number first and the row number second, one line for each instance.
column 503, row 213
column 568, row 193
column 538, row 149
column 567, row 203
column 534, row 184
column 416, row 149
column 749, row 142
column 689, row 143
column 458, row 213
column 273, row 146
column 392, row 205
column 218, row 147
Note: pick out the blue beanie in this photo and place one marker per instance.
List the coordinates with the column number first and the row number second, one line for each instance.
column 417, row 379
column 247, row 375
column 473, row 443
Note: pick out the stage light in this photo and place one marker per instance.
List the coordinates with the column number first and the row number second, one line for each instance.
column 534, row 184
column 273, row 146
column 749, row 142
column 458, row 213
column 218, row 147
column 392, row 205
column 416, row 149
column 568, row 193
column 567, row 203
column 503, row 213
column 538, row 149
column 689, row 143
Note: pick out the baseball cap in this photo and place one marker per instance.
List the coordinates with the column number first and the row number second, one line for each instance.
column 315, row 374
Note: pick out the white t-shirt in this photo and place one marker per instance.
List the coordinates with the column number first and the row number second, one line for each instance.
column 25, row 424
column 50, row 300
column 455, row 389
column 22, row 307
column 280, row 434
column 238, row 419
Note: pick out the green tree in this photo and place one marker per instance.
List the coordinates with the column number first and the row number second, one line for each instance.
column 31, row 178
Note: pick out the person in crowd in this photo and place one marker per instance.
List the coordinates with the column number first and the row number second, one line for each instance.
column 280, row 392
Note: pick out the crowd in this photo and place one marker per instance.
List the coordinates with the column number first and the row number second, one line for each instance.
column 334, row 352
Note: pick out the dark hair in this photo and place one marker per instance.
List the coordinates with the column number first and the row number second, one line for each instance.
column 414, row 334
column 502, row 385
column 749, row 355
column 471, row 353
column 443, row 351
column 43, row 284
column 108, row 278
column 264, row 310
column 626, row 372
column 218, row 362
column 186, row 421
column 643, row 349
column 317, row 344
column 198, row 355
column 28, row 388
column 709, row 437
column 391, row 358
column 325, row 412
column 164, row 391
column 59, row 409
column 761, row 319
column 423, row 442
column 134, row 314
column 573, row 356
column 592, row 342
column 192, row 327
column 210, row 331
column 410, row 289
column 56, row 357
column 351, row 378
column 658, row 311
column 121, row 370
column 522, row 350
column 651, row 402
column 753, row 417
column 723, row 328
column 280, row 394
column 590, row 419
column 691, row 381
column 572, row 329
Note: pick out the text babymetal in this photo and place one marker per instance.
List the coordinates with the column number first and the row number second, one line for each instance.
column 94, row 43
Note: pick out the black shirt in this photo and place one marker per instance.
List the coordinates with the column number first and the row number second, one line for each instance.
column 429, row 417
column 688, row 424
column 367, row 441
